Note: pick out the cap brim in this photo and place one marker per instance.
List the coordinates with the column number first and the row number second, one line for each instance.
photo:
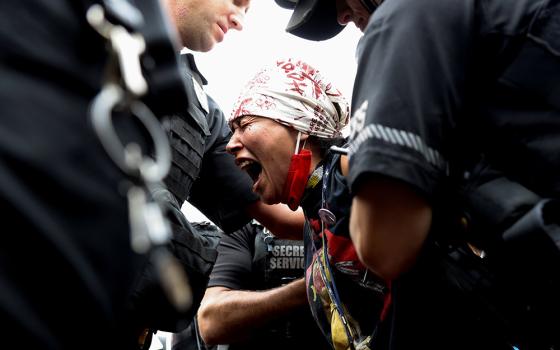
column 287, row 4
column 314, row 20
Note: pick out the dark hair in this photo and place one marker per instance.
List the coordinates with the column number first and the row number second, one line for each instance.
column 324, row 144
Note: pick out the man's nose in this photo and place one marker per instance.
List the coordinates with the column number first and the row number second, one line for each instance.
column 236, row 20
column 344, row 16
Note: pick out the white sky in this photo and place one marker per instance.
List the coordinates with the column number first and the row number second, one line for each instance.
column 231, row 63
column 234, row 61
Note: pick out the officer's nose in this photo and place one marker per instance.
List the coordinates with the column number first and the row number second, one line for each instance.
column 236, row 20
column 344, row 16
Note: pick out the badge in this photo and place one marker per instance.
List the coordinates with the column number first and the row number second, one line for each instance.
column 201, row 95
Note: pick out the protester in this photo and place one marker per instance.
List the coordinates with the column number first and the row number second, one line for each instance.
column 256, row 295
column 452, row 95
column 284, row 123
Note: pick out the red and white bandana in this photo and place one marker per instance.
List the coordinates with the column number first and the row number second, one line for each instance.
column 295, row 94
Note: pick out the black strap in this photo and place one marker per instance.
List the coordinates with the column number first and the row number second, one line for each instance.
column 123, row 12
column 160, row 63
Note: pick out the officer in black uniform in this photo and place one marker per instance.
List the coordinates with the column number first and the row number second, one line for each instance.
column 206, row 175
column 256, row 296
column 66, row 260
column 452, row 95
column 67, row 264
column 203, row 173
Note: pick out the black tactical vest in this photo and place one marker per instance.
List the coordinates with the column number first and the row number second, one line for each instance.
column 187, row 133
column 279, row 261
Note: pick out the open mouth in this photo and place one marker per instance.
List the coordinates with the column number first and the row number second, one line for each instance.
column 252, row 168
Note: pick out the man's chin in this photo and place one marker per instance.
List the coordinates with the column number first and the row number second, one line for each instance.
column 206, row 47
column 202, row 45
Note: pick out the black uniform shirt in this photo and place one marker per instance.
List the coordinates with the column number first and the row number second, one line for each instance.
column 439, row 83
column 66, row 261
column 436, row 80
column 246, row 262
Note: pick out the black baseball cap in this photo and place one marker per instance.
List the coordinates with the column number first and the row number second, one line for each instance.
column 312, row 19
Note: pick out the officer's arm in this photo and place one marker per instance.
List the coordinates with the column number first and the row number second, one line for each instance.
column 388, row 225
column 226, row 316
column 279, row 219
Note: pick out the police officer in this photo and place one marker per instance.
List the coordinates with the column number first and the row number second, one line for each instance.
column 202, row 172
column 256, row 295
column 205, row 175
column 67, row 264
column 66, row 258
column 440, row 86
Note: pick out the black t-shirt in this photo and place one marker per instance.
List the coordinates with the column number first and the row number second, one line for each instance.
column 435, row 81
column 247, row 260
column 438, row 84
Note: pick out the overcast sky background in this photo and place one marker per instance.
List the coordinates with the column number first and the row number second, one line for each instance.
column 235, row 60
column 231, row 63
